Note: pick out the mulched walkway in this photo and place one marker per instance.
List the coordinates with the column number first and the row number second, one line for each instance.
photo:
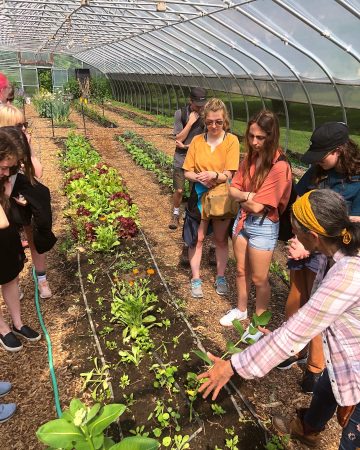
column 28, row 370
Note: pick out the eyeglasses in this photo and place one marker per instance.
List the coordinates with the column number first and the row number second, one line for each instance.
column 12, row 169
column 218, row 122
column 22, row 125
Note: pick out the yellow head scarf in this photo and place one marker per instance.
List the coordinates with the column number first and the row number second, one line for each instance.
column 304, row 214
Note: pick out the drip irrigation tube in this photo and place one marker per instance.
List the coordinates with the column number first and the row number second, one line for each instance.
column 96, row 338
column 201, row 347
column 49, row 346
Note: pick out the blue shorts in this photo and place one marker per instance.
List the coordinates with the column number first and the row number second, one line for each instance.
column 260, row 237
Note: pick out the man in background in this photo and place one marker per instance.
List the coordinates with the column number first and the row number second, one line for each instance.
column 187, row 124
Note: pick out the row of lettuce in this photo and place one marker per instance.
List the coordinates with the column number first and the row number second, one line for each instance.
column 100, row 209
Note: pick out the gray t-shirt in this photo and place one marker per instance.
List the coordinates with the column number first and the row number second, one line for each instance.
column 196, row 129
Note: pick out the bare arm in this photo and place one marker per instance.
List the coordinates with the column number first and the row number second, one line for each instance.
column 193, row 117
column 246, row 200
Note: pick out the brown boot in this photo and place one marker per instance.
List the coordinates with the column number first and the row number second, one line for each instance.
column 174, row 222
column 297, row 429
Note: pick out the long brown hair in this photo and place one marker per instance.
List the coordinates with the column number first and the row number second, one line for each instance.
column 269, row 123
column 19, row 140
column 348, row 162
column 7, row 150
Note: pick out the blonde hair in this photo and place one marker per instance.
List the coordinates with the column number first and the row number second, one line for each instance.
column 10, row 116
column 214, row 105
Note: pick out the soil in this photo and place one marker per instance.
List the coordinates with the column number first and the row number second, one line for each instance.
column 65, row 317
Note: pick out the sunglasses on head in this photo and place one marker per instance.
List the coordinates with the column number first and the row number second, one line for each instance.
column 217, row 122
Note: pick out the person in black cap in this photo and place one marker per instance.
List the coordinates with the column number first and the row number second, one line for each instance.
column 187, row 124
column 335, row 165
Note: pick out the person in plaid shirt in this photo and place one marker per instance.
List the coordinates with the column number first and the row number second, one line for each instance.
column 321, row 222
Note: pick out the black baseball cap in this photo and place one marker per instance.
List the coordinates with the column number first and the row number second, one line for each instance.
column 198, row 96
column 324, row 139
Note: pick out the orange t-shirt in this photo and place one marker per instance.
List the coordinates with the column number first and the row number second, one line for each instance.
column 200, row 158
column 275, row 190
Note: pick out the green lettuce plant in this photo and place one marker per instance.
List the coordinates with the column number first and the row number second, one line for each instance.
column 83, row 428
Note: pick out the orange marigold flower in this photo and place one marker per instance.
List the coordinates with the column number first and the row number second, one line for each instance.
column 135, row 271
column 150, row 271
column 102, row 218
column 131, row 283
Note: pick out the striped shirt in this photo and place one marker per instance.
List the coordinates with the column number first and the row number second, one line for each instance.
column 334, row 311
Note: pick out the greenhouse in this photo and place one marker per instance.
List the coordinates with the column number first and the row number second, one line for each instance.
column 168, row 247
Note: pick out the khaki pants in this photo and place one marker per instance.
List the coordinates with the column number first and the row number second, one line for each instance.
column 301, row 282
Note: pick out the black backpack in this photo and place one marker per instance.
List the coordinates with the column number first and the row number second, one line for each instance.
column 285, row 228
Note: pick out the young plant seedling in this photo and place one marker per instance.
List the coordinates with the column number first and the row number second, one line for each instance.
column 217, row 409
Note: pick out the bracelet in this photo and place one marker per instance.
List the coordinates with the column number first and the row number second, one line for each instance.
column 247, row 198
column 217, row 176
column 232, row 366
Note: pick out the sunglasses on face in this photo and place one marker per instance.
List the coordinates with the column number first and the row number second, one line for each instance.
column 218, row 122
column 22, row 125
column 12, row 169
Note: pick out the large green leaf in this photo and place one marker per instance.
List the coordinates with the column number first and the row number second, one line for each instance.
column 59, row 433
column 108, row 443
column 93, row 411
column 238, row 326
column 231, row 348
column 75, row 405
column 136, row 443
column 264, row 318
column 107, row 415
column 203, row 356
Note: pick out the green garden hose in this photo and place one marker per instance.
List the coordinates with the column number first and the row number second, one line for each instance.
column 48, row 341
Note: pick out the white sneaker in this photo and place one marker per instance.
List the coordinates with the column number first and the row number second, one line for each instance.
column 227, row 320
column 249, row 338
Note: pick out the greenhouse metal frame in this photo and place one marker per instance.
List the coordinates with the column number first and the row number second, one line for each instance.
column 286, row 50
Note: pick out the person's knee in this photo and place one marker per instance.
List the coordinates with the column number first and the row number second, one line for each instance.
column 240, row 272
column 260, row 280
column 179, row 191
column 220, row 241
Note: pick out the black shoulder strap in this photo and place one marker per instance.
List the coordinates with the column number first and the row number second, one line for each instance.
column 184, row 115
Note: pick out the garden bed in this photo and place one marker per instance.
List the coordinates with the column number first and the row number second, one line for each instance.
column 93, row 115
column 147, row 343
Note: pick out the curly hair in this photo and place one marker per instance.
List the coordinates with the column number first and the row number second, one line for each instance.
column 348, row 162
column 330, row 210
column 269, row 123
column 214, row 105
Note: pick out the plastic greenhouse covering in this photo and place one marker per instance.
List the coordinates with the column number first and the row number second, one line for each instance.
column 298, row 51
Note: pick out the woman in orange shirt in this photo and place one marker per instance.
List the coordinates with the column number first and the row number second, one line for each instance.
column 212, row 159
column 262, row 185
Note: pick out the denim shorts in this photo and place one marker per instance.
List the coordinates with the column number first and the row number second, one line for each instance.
column 260, row 237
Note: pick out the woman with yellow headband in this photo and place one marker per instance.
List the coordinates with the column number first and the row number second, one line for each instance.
column 321, row 222
column 335, row 160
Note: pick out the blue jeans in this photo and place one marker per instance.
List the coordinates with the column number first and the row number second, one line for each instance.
column 260, row 237
column 322, row 408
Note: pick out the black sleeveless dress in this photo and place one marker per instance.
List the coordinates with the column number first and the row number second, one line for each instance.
column 12, row 254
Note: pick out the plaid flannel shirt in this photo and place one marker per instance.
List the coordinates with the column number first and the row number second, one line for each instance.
column 334, row 311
